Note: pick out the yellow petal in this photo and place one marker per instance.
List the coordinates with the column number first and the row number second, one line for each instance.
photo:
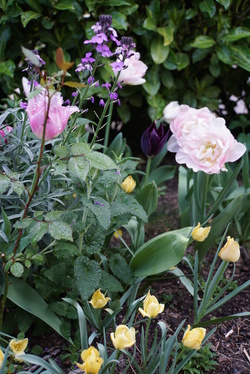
column 231, row 250
column 18, row 346
column 199, row 233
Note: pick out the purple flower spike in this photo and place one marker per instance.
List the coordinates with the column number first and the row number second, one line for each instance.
column 102, row 102
column 153, row 140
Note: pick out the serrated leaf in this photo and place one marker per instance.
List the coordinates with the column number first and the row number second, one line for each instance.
column 18, row 187
column 60, row 274
column 63, row 309
column 22, row 224
column 4, row 183
column 121, row 269
column 17, row 269
column 78, row 168
column 101, row 209
column 87, row 274
column 62, row 151
column 100, row 161
column 110, row 283
column 65, row 250
column 38, row 231
column 60, row 230
column 93, row 240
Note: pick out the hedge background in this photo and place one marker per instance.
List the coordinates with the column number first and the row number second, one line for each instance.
column 197, row 51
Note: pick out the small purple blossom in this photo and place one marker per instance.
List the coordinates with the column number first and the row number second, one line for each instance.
column 119, row 102
column 23, row 105
column 118, row 172
column 119, row 85
column 91, row 80
column 97, row 84
column 117, row 65
column 88, row 58
column 74, row 94
column 102, row 103
column 67, row 102
column 92, row 99
column 104, row 50
column 107, row 85
column 97, row 203
column 113, row 95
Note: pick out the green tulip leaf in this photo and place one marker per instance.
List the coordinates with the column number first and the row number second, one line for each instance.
column 148, row 198
column 160, row 253
column 21, row 294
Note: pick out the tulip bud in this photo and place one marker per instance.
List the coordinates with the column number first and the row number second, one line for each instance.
column 18, row 347
column 199, row 233
column 128, row 184
column 153, row 140
column 231, row 251
column 193, row 338
column 98, row 300
column 92, row 361
column 123, row 337
column 151, row 306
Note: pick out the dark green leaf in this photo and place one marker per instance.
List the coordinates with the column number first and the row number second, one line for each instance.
column 60, row 230
column 87, row 276
column 159, row 52
column 203, row 41
column 121, row 269
column 208, row 6
column 26, row 17
column 109, row 283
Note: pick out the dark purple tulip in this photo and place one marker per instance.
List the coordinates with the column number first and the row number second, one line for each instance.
column 153, row 140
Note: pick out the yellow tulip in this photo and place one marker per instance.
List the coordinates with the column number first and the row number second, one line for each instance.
column 128, row 184
column 115, row 235
column 123, row 337
column 193, row 338
column 1, row 358
column 91, row 361
column 18, row 347
column 230, row 251
column 98, row 300
column 199, row 233
column 151, row 306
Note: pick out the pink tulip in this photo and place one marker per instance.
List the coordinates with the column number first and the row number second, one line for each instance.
column 134, row 71
column 57, row 118
column 202, row 141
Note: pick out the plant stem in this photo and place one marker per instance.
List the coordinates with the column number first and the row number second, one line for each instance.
column 107, row 129
column 147, row 171
column 118, row 352
column 4, row 298
column 146, row 345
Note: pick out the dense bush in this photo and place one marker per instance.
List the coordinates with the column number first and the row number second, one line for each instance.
column 197, row 51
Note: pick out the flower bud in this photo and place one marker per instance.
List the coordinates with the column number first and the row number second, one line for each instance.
column 230, row 251
column 193, row 338
column 153, row 140
column 151, row 306
column 199, row 233
column 18, row 347
column 98, row 300
column 123, row 337
column 128, row 184
column 92, row 361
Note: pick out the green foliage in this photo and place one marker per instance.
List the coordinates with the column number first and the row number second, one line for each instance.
column 202, row 361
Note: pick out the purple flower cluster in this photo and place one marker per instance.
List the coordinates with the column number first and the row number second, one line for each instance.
column 104, row 33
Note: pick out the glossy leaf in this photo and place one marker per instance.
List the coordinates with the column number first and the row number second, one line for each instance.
column 236, row 33
column 203, row 41
column 159, row 52
column 26, row 17
column 148, row 198
column 167, row 33
column 208, row 6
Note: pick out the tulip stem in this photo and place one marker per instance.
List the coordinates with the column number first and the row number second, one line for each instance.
column 146, row 345
column 118, row 352
column 147, row 171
